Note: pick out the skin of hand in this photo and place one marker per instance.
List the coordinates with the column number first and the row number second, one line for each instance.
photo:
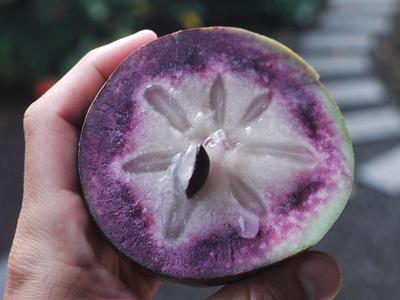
column 57, row 252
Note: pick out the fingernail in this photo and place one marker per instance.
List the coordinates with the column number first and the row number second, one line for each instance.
column 320, row 277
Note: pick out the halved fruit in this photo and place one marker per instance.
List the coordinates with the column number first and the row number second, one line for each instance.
column 214, row 152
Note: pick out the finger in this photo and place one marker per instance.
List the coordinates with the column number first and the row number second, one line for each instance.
column 144, row 285
column 82, row 82
column 311, row 275
column 50, row 123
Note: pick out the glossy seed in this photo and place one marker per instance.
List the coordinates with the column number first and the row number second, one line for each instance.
column 200, row 172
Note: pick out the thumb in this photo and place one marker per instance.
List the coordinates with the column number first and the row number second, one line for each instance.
column 310, row 275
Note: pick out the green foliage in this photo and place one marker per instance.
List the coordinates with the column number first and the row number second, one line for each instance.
column 41, row 38
column 290, row 11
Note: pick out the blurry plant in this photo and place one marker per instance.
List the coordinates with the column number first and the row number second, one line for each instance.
column 190, row 19
column 291, row 11
column 42, row 38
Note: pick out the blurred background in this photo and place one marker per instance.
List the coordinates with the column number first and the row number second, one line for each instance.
column 353, row 44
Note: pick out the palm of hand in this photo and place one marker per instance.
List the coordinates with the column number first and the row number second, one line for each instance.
column 56, row 243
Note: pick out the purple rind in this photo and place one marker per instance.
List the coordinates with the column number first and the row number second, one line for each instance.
column 202, row 282
column 208, row 282
column 116, row 207
column 297, row 198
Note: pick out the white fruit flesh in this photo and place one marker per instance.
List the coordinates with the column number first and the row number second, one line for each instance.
column 255, row 151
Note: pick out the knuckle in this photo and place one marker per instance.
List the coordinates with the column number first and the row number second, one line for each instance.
column 267, row 290
column 89, row 56
column 31, row 114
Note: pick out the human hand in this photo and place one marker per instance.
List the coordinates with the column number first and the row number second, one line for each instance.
column 311, row 275
column 57, row 252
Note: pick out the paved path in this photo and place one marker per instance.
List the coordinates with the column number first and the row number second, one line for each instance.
column 340, row 50
column 365, row 238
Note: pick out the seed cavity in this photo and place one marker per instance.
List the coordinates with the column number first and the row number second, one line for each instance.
column 179, row 214
column 246, row 196
column 218, row 100
column 149, row 162
column 248, row 227
column 190, row 171
column 200, row 172
column 257, row 106
column 192, row 168
column 293, row 152
column 160, row 100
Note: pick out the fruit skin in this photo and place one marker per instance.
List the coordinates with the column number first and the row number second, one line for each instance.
column 115, row 206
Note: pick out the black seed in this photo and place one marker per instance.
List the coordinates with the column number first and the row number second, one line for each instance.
column 200, row 172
